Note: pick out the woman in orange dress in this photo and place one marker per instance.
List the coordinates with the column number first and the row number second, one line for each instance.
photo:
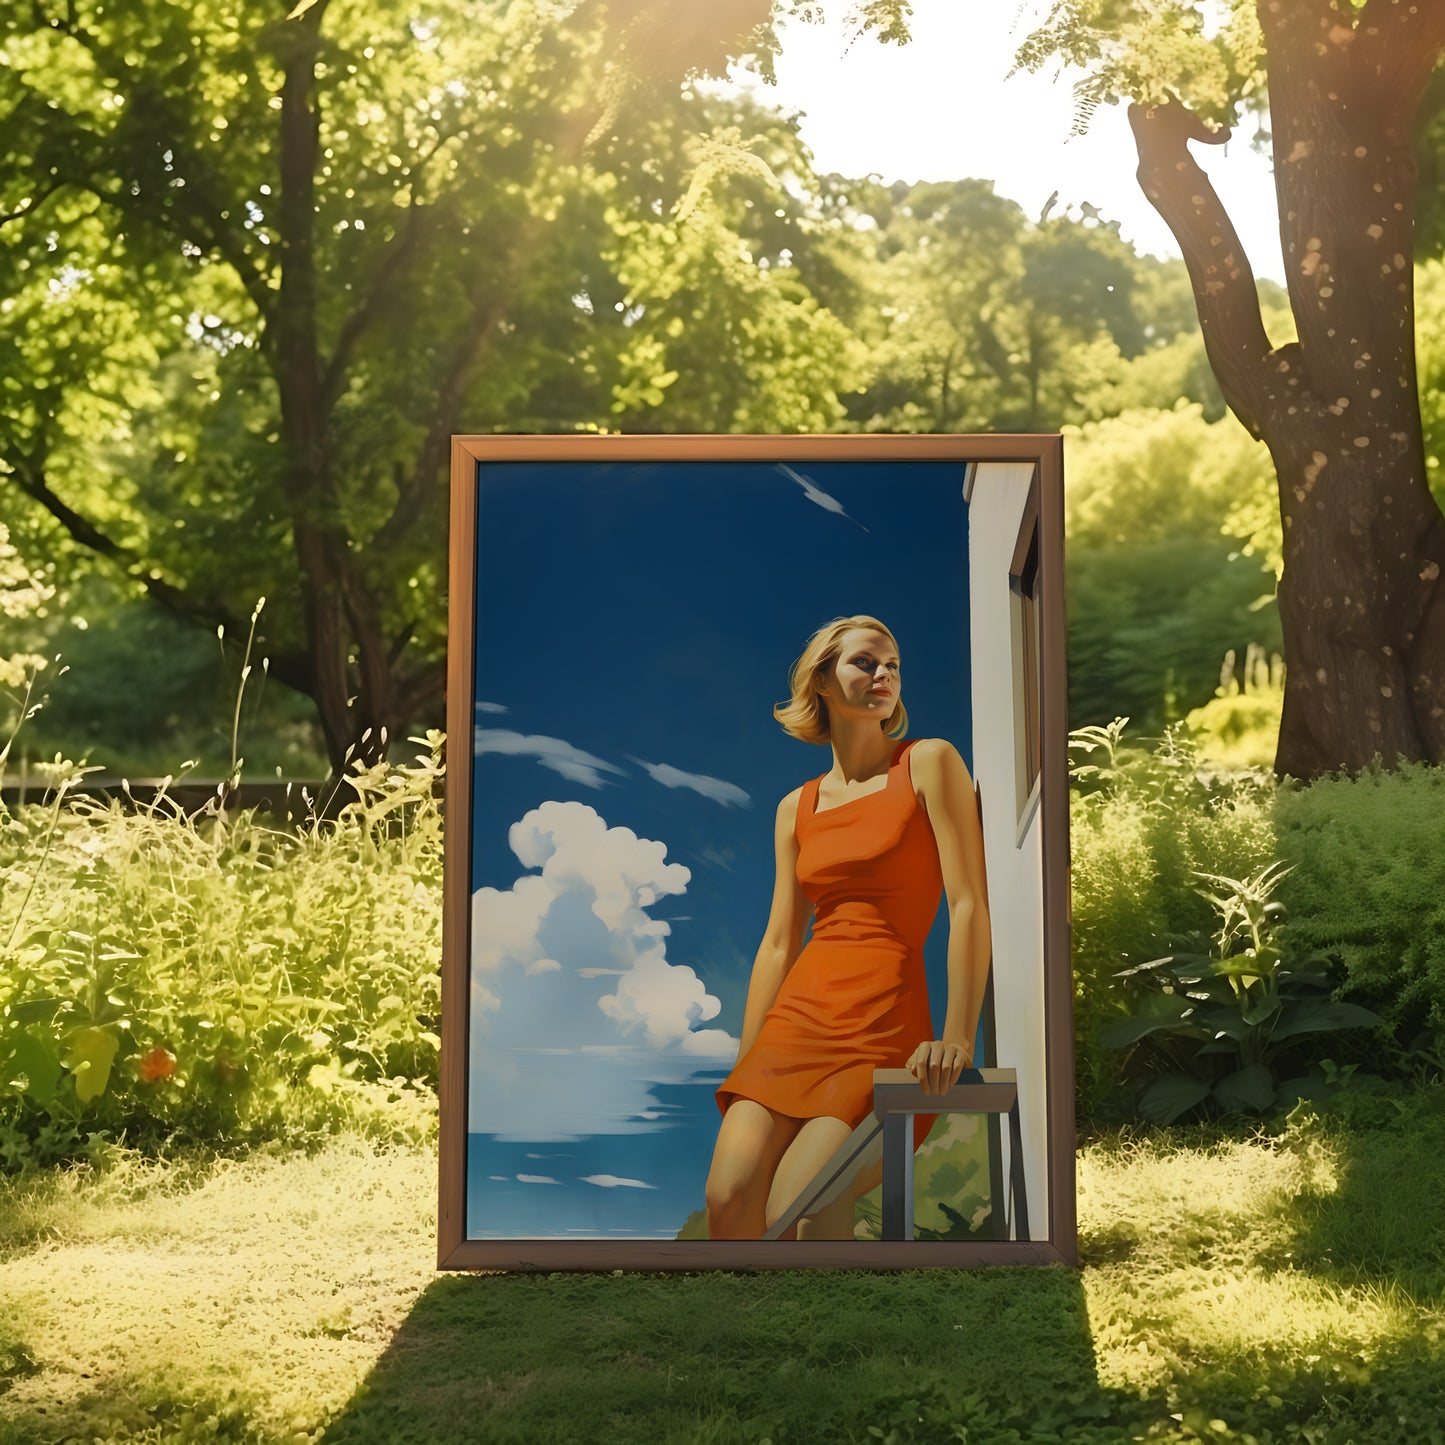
column 867, row 849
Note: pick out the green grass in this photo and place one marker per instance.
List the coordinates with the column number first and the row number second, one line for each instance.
column 1233, row 1289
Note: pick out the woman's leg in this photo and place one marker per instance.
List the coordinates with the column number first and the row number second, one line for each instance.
column 836, row 1220
column 749, row 1144
column 816, row 1143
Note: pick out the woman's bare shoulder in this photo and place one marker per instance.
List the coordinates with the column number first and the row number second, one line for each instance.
column 788, row 808
column 935, row 748
column 933, row 758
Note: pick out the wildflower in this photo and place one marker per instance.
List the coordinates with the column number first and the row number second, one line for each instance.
column 158, row 1063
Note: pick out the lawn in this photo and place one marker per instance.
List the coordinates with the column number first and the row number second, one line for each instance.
column 1286, row 1288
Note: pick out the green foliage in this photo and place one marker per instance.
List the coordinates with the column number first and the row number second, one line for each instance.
column 1362, row 890
column 1142, row 822
column 976, row 319
column 1157, row 587
column 23, row 597
column 1152, row 51
column 178, row 687
column 212, row 977
column 1239, row 726
column 951, row 1193
column 1215, row 1029
column 1368, row 888
column 723, row 332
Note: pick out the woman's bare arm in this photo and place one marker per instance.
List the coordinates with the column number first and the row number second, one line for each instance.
column 787, row 921
column 946, row 791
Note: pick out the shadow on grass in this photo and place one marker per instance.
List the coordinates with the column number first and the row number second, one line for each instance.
column 1372, row 1235
column 1384, row 1221
column 737, row 1357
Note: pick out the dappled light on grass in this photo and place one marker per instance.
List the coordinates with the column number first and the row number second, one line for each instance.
column 249, row 1293
column 1211, row 1285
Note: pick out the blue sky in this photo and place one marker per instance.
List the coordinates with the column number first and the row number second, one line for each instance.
column 636, row 623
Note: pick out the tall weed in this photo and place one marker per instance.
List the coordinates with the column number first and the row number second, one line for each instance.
column 212, row 976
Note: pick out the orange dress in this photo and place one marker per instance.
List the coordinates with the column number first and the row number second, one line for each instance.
column 856, row 998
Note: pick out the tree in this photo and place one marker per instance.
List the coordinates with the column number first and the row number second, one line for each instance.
column 1361, row 597
column 988, row 320
column 261, row 269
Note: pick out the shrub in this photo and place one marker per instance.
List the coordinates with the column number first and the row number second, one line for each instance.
column 1143, row 823
column 215, row 977
column 1368, row 889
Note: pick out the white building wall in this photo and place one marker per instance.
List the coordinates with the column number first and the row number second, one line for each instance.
column 1014, row 858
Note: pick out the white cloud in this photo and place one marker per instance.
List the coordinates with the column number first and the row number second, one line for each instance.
column 728, row 794
column 816, row 494
column 576, row 1012
column 611, row 1181
column 572, row 763
column 490, row 707
column 718, row 858
column 537, row 1179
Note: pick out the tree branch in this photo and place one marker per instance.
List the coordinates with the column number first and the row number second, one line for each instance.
column 416, row 689
column 292, row 668
column 333, row 381
column 412, row 494
column 31, row 203
column 1224, row 288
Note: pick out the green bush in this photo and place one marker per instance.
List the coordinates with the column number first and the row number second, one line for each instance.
column 1224, row 1026
column 1143, row 823
column 1368, row 888
column 215, row 977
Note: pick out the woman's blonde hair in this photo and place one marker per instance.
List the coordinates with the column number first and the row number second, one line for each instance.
column 805, row 714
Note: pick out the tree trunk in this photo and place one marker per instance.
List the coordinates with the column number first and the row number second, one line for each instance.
column 351, row 671
column 1362, row 604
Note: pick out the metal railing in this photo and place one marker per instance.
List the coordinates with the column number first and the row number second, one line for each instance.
column 887, row 1133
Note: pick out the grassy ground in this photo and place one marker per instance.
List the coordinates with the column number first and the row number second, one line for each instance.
column 1287, row 1290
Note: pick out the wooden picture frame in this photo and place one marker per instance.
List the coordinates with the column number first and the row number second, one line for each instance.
column 650, row 592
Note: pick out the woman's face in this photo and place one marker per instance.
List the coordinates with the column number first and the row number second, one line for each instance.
column 863, row 680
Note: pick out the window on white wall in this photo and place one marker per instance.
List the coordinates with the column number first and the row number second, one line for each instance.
column 1026, row 628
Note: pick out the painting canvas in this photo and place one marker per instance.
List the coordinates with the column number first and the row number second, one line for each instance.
column 625, row 615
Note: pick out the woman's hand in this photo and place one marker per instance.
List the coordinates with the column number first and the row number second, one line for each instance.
column 936, row 1064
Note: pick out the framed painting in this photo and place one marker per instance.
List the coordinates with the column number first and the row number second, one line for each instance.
column 756, row 926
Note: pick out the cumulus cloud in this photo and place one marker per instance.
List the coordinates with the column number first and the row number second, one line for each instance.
column 537, row 1179
column 816, row 494
column 611, row 1181
column 490, row 707
column 728, row 794
column 555, row 753
column 577, row 1014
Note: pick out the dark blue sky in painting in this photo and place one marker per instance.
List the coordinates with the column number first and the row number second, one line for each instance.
column 635, row 625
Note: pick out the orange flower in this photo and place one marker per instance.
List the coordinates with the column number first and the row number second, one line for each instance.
column 159, row 1063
